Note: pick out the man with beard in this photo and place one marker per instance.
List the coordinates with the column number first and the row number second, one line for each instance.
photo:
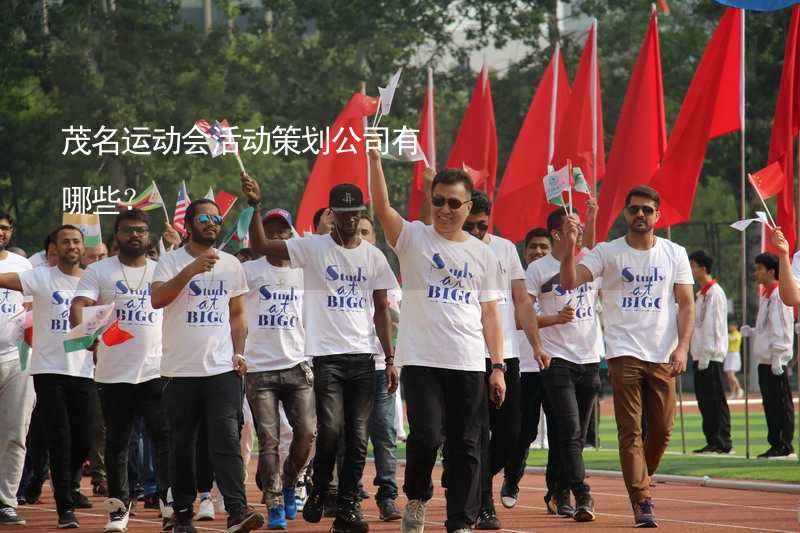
column 648, row 319
column 127, row 374
column 202, row 293
column 63, row 381
column 345, row 280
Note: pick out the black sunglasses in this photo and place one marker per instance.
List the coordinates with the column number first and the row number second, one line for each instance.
column 452, row 203
column 469, row 226
column 646, row 209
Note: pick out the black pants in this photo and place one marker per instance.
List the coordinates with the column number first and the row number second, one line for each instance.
column 122, row 403
column 501, row 434
column 217, row 399
column 34, row 472
column 68, row 406
column 709, row 387
column 573, row 388
column 531, row 398
column 778, row 408
column 344, row 388
column 205, row 474
column 445, row 404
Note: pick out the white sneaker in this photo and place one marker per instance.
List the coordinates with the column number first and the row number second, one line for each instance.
column 221, row 504
column 117, row 515
column 206, row 510
column 166, row 509
column 300, row 495
column 413, row 517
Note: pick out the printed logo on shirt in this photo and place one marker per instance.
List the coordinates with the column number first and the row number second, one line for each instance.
column 137, row 308
column 577, row 298
column 277, row 308
column 349, row 292
column 59, row 320
column 8, row 307
column 448, row 285
column 207, row 304
column 643, row 293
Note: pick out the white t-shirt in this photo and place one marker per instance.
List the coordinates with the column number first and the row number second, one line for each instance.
column 526, row 361
column 579, row 341
column 12, row 314
column 796, row 266
column 275, row 333
column 640, row 314
column 52, row 292
column 509, row 268
column 339, row 283
column 39, row 259
column 710, row 336
column 197, row 328
column 774, row 339
column 138, row 359
column 444, row 284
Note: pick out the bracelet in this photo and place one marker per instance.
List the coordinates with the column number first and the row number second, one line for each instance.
column 390, row 361
column 254, row 205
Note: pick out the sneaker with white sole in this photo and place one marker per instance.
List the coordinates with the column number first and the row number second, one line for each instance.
column 206, row 510
column 413, row 517
column 9, row 516
column 509, row 494
column 118, row 515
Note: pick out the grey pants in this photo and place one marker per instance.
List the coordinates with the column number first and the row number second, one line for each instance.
column 293, row 387
column 16, row 399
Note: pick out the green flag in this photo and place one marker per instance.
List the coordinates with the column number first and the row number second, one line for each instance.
column 240, row 230
column 580, row 181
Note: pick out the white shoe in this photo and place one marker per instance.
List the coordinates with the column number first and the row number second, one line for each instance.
column 221, row 504
column 117, row 515
column 413, row 517
column 300, row 495
column 206, row 510
column 165, row 508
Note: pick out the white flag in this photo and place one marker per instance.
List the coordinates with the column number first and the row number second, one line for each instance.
column 387, row 93
column 210, row 194
column 556, row 183
column 405, row 148
column 93, row 318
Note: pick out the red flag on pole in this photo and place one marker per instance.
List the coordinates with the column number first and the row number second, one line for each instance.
column 342, row 159
column 768, row 181
column 476, row 143
column 712, row 107
column 225, row 201
column 427, row 141
column 521, row 203
column 641, row 124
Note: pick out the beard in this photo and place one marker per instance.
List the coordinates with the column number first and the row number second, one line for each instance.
column 131, row 251
column 204, row 241
column 647, row 228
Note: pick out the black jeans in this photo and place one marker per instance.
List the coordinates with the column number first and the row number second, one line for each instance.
column 778, row 408
column 344, row 388
column 68, row 405
column 501, row 434
column 573, row 388
column 445, row 404
column 34, row 472
column 122, row 403
column 709, row 387
column 217, row 399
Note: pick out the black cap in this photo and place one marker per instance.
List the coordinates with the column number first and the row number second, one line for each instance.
column 346, row 197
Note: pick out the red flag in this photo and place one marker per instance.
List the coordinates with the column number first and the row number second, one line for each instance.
column 225, row 201
column 114, row 335
column 712, row 107
column 582, row 135
column 521, row 204
column 785, row 125
column 343, row 160
column 641, row 124
column 476, row 144
column 768, row 181
column 427, row 141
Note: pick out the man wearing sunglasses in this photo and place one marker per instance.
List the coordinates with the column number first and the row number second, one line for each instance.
column 648, row 318
column 503, row 422
column 450, row 316
column 202, row 291
column 346, row 280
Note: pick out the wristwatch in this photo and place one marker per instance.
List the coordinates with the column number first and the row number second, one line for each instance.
column 499, row 366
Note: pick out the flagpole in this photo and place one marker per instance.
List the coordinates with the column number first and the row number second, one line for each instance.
column 553, row 104
column 362, row 86
column 431, row 156
column 594, row 108
column 743, row 237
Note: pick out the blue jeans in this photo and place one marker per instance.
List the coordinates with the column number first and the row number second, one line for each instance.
column 384, row 439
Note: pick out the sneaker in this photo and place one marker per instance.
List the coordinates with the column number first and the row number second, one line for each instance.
column 349, row 520
column 182, row 521
column 509, row 494
column 246, row 520
column 387, row 511
column 117, row 521
column 726, row 451
column 9, row 516
column 300, row 495
column 550, row 502
column 289, row 503
column 167, row 523
column 706, row 449
column 100, row 487
column 312, row 510
column 206, row 510
column 643, row 514
column 79, row 501
column 276, row 517
column 584, row 508
column 487, row 518
column 563, row 502
column 165, row 509
column 463, row 530
column 330, row 506
column 772, row 452
column 413, row 517
column 67, row 520
column 33, row 494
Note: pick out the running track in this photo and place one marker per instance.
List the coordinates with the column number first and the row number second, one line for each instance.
column 679, row 509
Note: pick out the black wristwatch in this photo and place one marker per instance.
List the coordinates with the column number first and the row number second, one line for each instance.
column 499, row 366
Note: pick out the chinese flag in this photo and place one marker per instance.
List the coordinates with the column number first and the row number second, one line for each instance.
column 641, row 124
column 344, row 162
column 521, row 204
column 476, row 143
column 225, row 201
column 768, row 181
column 427, row 141
column 712, row 107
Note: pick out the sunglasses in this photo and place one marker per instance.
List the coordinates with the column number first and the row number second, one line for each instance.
column 205, row 219
column 130, row 230
column 452, row 203
column 646, row 209
column 469, row 226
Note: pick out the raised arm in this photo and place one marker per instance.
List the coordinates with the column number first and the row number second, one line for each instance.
column 258, row 240
column 390, row 219
column 425, row 208
column 685, row 299
column 10, row 280
column 572, row 275
column 589, row 232
column 787, row 286
column 526, row 317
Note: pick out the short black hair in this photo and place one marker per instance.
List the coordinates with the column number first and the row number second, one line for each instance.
column 131, row 214
column 644, row 191
column 317, row 217
column 702, row 259
column 62, row 227
column 48, row 240
column 480, row 204
column 770, row 262
column 452, row 176
column 190, row 211
column 5, row 215
column 555, row 220
column 536, row 232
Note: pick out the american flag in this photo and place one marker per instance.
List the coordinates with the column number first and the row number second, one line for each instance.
column 179, row 220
